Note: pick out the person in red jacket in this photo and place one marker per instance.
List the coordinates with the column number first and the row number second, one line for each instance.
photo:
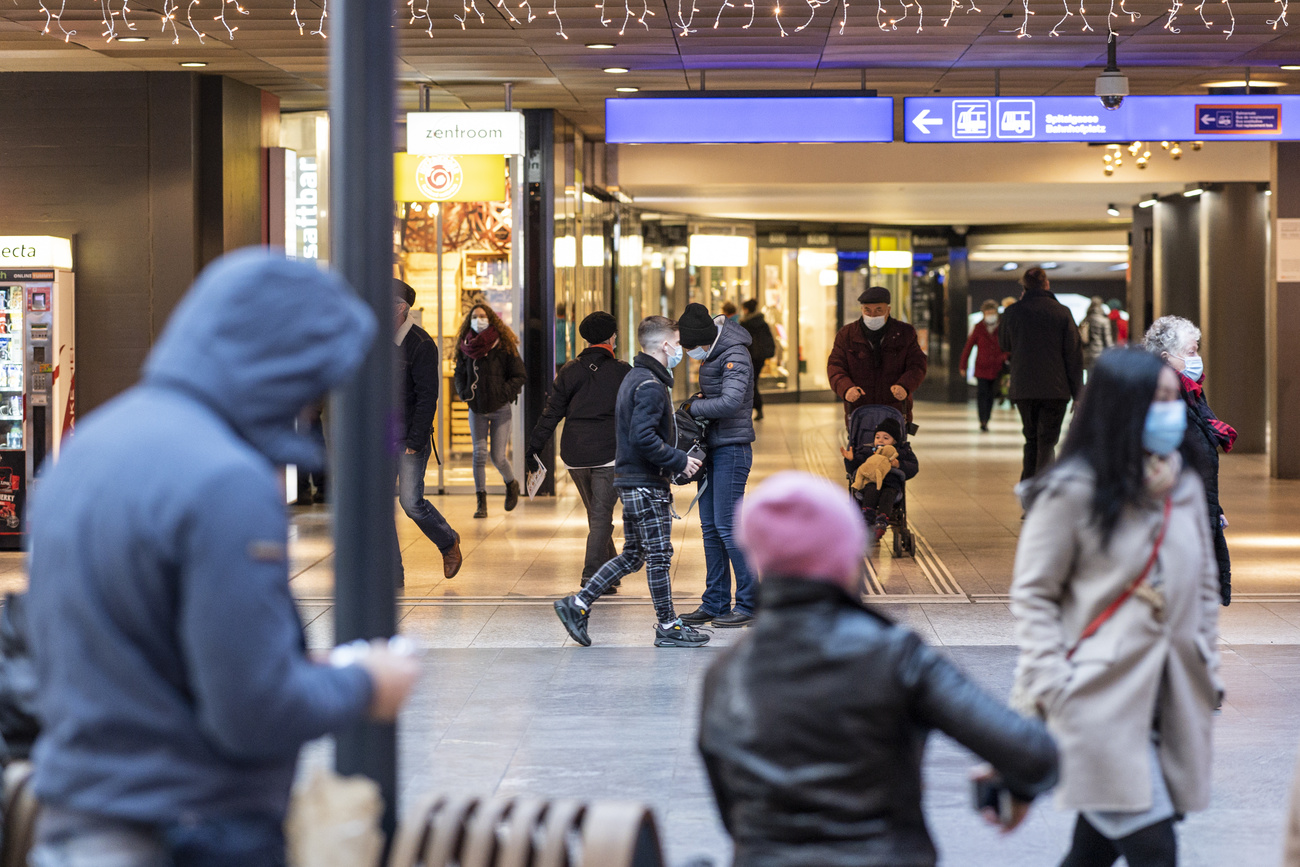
column 989, row 359
column 876, row 359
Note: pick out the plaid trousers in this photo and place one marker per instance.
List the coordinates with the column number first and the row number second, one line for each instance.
column 648, row 539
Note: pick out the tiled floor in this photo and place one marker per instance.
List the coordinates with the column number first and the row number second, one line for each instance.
column 510, row 705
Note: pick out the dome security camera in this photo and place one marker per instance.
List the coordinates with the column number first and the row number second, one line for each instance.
column 1112, row 85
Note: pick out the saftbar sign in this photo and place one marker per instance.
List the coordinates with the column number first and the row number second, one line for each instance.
column 430, row 133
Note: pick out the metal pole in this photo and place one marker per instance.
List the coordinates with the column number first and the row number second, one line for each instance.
column 443, row 443
column 365, row 538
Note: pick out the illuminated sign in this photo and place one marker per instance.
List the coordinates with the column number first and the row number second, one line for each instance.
column 748, row 119
column 465, row 132
column 306, row 209
column 449, row 178
column 1085, row 119
column 35, row 251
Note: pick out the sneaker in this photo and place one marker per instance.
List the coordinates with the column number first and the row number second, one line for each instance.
column 699, row 615
column 678, row 635
column 574, row 617
column 882, row 524
column 733, row 620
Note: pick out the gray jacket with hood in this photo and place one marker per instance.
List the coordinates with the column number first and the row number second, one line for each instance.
column 174, row 678
column 727, row 383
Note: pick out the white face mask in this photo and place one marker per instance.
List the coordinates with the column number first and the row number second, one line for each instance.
column 699, row 353
column 478, row 323
column 991, row 318
column 875, row 323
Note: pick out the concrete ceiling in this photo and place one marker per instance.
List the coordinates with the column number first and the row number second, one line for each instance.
column 466, row 68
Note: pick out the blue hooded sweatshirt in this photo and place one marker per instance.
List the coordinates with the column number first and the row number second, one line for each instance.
column 174, row 680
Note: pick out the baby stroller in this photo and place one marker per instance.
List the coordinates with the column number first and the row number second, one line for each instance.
column 862, row 427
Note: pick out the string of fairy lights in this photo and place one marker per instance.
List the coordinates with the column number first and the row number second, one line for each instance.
column 181, row 16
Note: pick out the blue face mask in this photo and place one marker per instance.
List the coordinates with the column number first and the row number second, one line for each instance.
column 675, row 357
column 1165, row 425
column 699, row 353
column 1193, row 367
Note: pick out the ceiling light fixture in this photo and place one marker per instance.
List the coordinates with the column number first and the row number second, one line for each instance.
column 1252, row 84
column 1112, row 210
column 1009, row 266
column 600, row 46
column 1147, row 203
column 1191, row 194
column 1289, row 66
column 627, row 89
column 133, row 39
column 1050, row 266
column 193, row 64
column 615, row 70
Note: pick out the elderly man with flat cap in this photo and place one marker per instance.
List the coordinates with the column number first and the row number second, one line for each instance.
column 876, row 359
column 586, row 392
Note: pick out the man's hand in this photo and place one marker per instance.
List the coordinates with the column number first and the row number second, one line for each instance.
column 411, row 451
column 692, row 464
column 391, row 676
column 898, row 392
column 1019, row 808
column 854, row 394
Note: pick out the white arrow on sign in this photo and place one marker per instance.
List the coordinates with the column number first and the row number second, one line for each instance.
column 923, row 121
column 1207, row 119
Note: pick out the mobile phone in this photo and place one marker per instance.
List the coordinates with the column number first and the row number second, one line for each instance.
column 991, row 794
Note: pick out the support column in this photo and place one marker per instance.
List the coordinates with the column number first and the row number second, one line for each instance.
column 956, row 310
column 538, row 224
column 1176, row 260
column 1233, row 271
column 1141, row 293
column 1282, row 307
column 362, row 412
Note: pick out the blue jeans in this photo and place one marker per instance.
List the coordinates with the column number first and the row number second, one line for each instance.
column 410, row 493
column 493, row 426
column 229, row 841
column 727, row 470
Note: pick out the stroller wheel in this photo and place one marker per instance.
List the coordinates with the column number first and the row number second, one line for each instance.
column 898, row 542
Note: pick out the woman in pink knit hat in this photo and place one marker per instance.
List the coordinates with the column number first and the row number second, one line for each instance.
column 813, row 726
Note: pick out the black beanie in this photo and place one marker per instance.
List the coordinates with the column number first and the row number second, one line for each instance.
column 696, row 327
column 891, row 427
column 598, row 327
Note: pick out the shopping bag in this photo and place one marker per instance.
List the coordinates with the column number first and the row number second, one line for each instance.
column 534, row 478
column 333, row 821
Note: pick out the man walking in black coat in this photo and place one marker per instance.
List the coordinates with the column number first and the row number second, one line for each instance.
column 762, row 346
column 585, row 392
column 420, row 378
column 1046, row 366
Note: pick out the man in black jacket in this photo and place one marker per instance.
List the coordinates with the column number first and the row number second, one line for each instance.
column 585, row 393
column 762, row 346
column 813, row 726
column 647, row 458
column 1046, row 366
column 726, row 399
column 420, row 377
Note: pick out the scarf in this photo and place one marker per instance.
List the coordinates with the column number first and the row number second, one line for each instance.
column 1194, row 395
column 478, row 345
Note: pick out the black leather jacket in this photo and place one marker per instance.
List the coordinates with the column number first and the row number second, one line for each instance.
column 814, row 725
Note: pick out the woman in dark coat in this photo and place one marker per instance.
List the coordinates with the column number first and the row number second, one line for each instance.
column 989, row 360
column 489, row 376
column 1176, row 341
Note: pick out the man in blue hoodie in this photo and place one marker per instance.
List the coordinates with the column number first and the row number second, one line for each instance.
column 176, row 689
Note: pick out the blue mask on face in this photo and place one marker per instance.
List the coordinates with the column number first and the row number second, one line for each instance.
column 699, row 353
column 1193, row 367
column 1165, row 425
column 675, row 358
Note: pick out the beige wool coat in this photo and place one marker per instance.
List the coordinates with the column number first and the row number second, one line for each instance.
column 1101, row 703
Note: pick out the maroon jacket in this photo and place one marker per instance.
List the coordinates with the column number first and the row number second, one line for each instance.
column 900, row 361
column 990, row 358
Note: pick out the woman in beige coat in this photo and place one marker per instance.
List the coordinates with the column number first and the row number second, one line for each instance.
column 1128, row 694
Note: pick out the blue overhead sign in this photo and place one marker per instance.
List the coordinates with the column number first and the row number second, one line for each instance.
column 1084, row 119
column 748, row 120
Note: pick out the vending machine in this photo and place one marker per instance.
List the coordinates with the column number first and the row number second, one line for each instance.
column 38, row 383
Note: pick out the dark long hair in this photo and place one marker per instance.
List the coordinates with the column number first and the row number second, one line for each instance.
column 505, row 337
column 1107, row 430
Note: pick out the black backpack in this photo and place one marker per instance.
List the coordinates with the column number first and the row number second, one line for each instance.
column 691, row 432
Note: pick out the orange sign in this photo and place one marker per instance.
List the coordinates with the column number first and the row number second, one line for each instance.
column 449, row 178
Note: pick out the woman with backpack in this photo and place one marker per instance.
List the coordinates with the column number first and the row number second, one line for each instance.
column 489, row 376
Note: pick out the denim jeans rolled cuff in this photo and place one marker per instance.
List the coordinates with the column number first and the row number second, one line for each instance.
column 726, row 473
column 410, row 494
column 491, row 435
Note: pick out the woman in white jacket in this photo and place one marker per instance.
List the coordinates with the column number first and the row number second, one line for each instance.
column 1116, row 603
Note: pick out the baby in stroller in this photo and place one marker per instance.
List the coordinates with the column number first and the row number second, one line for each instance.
column 879, row 464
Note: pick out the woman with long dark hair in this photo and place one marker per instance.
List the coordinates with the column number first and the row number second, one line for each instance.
column 1116, row 599
column 489, row 376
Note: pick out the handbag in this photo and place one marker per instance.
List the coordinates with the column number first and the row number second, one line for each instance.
column 1133, row 586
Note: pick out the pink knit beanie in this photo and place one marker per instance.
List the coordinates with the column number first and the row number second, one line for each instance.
column 797, row 525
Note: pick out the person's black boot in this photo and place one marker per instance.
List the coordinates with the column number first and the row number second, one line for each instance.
column 512, row 495
column 482, row 505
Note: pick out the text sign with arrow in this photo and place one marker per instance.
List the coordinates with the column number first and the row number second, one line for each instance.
column 704, row 118
column 1084, row 119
